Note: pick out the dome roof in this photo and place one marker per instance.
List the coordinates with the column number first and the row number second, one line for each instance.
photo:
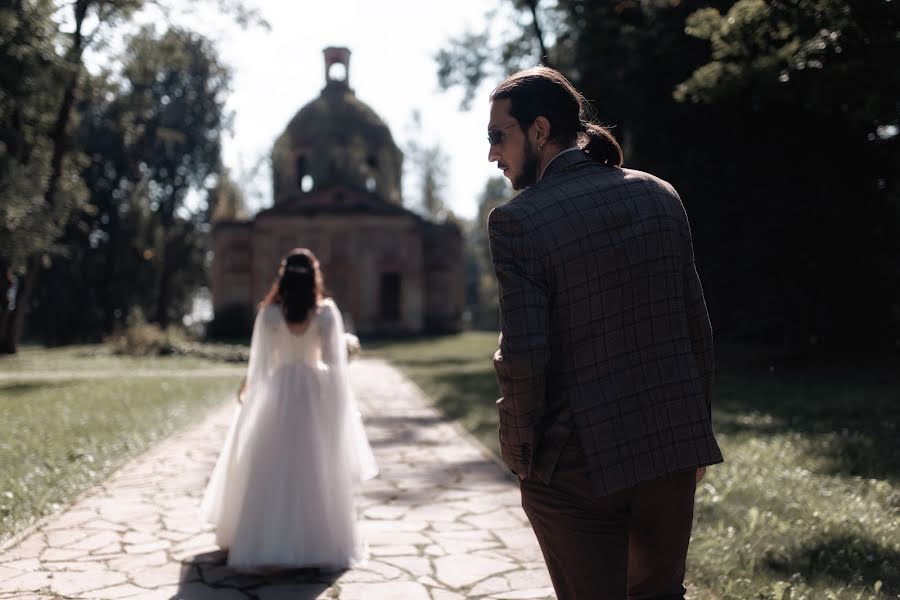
column 336, row 140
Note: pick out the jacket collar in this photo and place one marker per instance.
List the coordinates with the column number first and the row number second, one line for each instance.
column 562, row 161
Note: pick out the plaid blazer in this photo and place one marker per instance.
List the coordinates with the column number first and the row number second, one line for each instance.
column 604, row 329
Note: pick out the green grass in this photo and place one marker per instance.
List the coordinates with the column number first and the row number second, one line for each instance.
column 807, row 504
column 93, row 357
column 59, row 436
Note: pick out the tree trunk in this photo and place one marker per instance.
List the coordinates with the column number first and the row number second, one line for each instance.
column 545, row 58
column 167, row 223
column 64, row 116
column 162, row 299
column 14, row 320
column 7, row 315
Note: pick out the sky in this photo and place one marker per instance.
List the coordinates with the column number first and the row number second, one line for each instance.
column 392, row 69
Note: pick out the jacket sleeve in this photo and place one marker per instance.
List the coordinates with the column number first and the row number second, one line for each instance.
column 699, row 326
column 521, row 362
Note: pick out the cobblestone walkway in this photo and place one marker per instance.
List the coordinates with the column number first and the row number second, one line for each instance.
column 442, row 521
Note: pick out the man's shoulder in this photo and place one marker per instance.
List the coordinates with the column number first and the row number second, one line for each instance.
column 650, row 181
column 515, row 215
column 524, row 204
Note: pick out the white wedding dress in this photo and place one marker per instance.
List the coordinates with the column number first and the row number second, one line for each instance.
column 281, row 493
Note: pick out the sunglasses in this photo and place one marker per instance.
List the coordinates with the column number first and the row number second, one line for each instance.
column 495, row 136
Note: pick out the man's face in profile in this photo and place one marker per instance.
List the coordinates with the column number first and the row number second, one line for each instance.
column 510, row 147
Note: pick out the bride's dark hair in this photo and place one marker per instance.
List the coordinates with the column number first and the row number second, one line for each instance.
column 298, row 287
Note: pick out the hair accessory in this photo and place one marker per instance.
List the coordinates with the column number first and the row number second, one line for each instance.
column 297, row 269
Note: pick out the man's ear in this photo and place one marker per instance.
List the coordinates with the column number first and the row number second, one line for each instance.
column 542, row 131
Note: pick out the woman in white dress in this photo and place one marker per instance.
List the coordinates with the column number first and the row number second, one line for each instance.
column 281, row 493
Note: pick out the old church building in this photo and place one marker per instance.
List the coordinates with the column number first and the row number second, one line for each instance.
column 336, row 190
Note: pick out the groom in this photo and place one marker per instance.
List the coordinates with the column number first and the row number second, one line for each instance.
column 605, row 362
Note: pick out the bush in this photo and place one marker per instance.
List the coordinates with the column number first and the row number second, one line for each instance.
column 140, row 338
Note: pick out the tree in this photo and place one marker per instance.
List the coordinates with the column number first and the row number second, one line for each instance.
column 811, row 84
column 152, row 134
column 429, row 163
column 225, row 200
column 31, row 76
column 176, row 114
column 40, row 187
column 776, row 122
column 485, row 301
column 42, row 45
column 475, row 56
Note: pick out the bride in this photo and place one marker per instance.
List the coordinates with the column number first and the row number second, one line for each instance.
column 281, row 493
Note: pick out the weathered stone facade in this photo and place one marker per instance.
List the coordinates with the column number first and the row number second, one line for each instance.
column 337, row 191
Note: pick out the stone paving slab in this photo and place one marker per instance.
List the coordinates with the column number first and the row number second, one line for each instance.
column 442, row 522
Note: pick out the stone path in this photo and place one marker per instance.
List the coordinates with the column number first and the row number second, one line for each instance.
column 443, row 522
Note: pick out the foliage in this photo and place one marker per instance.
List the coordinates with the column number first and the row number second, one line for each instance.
column 140, row 338
column 812, row 85
column 172, row 124
column 153, row 136
column 483, row 300
column 31, row 73
column 225, row 200
column 473, row 57
column 159, row 119
column 776, row 121
column 807, row 503
column 39, row 175
column 429, row 167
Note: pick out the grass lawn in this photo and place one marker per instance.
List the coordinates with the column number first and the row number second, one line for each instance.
column 807, row 504
column 70, row 416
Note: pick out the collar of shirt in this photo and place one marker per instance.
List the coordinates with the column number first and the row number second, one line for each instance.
column 554, row 158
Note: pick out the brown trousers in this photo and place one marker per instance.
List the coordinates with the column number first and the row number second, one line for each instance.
column 631, row 544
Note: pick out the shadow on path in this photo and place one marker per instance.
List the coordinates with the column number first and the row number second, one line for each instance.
column 207, row 577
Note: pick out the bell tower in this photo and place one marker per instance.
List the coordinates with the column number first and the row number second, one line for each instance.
column 337, row 66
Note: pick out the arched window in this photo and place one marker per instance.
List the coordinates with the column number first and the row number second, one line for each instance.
column 337, row 72
column 302, row 168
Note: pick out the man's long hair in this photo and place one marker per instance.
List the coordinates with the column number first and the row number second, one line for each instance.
column 297, row 289
column 542, row 91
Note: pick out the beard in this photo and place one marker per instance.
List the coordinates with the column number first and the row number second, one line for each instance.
column 529, row 174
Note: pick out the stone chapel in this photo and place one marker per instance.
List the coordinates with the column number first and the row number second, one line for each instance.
column 336, row 190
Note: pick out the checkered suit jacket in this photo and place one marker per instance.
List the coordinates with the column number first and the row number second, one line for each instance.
column 604, row 329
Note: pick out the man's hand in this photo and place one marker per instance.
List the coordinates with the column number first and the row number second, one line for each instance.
column 700, row 473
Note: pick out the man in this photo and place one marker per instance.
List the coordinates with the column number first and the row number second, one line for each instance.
column 605, row 359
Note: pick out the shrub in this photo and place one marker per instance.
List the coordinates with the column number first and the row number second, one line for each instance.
column 140, row 338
